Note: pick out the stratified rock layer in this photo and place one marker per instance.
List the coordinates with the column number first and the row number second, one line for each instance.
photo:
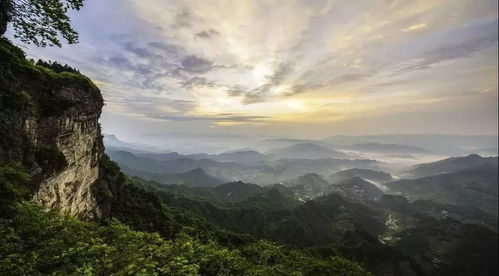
column 49, row 123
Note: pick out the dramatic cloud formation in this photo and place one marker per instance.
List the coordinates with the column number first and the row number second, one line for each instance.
column 302, row 68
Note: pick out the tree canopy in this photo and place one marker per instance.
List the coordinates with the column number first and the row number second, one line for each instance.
column 41, row 22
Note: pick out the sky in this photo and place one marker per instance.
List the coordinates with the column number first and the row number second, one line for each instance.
column 301, row 69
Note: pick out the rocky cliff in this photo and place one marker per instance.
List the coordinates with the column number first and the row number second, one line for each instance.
column 49, row 124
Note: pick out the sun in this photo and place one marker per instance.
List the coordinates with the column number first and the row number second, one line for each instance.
column 262, row 71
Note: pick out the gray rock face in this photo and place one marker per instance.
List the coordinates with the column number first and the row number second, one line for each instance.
column 71, row 190
column 76, row 134
column 49, row 123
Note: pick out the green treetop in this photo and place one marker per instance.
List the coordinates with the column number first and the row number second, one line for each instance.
column 41, row 22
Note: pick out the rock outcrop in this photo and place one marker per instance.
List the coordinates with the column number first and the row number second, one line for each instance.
column 49, row 123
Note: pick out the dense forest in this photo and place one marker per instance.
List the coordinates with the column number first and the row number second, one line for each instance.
column 35, row 241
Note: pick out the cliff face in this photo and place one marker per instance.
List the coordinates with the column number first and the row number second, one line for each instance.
column 49, row 123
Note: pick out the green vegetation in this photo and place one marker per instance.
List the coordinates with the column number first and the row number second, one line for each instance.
column 57, row 67
column 14, row 185
column 24, row 82
column 334, row 226
column 41, row 22
column 50, row 159
column 36, row 242
column 324, row 229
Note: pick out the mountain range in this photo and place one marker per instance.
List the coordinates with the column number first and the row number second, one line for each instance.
column 247, row 169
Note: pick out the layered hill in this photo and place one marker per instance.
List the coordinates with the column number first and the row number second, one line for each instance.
column 452, row 164
column 248, row 170
column 474, row 187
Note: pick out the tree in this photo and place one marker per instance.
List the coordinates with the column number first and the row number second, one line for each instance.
column 41, row 22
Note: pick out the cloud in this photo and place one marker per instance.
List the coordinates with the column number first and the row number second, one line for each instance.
column 329, row 84
column 196, row 65
column 141, row 52
column 198, row 81
column 450, row 52
column 207, row 34
column 221, row 117
column 165, row 48
column 415, row 27
column 254, row 57
column 182, row 20
column 260, row 93
column 349, row 78
column 121, row 63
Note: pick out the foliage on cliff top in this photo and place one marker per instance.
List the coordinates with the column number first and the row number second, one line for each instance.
column 17, row 73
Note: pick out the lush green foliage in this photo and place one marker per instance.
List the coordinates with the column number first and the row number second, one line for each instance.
column 14, row 185
column 334, row 226
column 50, row 159
column 41, row 22
column 18, row 75
column 36, row 242
column 57, row 67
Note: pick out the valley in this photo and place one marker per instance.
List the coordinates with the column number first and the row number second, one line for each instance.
column 331, row 204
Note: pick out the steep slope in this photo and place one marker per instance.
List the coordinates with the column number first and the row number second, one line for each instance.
column 49, row 123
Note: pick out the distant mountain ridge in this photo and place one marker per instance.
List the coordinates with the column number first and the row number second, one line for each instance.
column 193, row 178
column 249, row 157
column 264, row 173
column 473, row 187
column 452, row 164
column 112, row 142
column 437, row 143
